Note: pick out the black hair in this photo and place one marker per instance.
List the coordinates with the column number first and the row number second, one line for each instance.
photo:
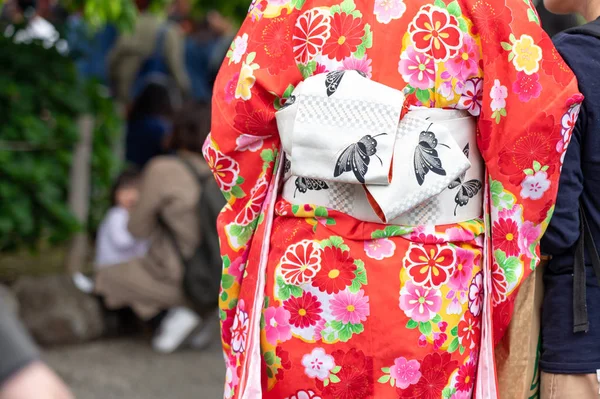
column 127, row 178
column 26, row 5
column 191, row 127
column 154, row 100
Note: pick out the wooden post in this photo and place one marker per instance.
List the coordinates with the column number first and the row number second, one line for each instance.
column 79, row 192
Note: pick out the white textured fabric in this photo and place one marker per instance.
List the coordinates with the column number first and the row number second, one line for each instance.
column 437, row 169
column 343, row 128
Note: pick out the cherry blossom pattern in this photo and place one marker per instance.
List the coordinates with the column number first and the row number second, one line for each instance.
column 238, row 49
column 476, row 295
column 239, row 329
column 304, row 394
column 460, row 279
column 498, row 94
column 472, row 96
column 418, row 303
column 402, row 374
column 379, row 249
column 318, row 364
column 428, row 265
column 417, row 69
column 312, row 30
column 466, row 62
column 301, row 262
column 387, row 10
column 436, row 32
column 535, row 186
column 277, row 325
column 527, row 87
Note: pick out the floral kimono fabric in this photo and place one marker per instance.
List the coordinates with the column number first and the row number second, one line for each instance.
column 356, row 310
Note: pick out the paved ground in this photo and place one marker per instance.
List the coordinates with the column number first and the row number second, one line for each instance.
column 128, row 369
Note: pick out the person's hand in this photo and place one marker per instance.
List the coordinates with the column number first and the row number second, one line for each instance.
column 35, row 381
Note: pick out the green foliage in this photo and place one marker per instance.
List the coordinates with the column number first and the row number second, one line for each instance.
column 41, row 98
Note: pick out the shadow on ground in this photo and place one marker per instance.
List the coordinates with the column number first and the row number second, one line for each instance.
column 129, row 369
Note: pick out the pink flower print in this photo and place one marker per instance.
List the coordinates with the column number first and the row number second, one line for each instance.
column 458, row 298
column 417, row 69
column 318, row 364
column 498, row 95
column 363, row 65
column 248, row 142
column 446, row 90
column 534, row 187
column 458, row 234
column 236, row 269
column 319, row 329
column 405, row 372
column 304, row 394
column 529, row 234
column 240, row 46
column 380, row 249
column 465, row 64
column 230, row 88
column 387, row 10
column 418, row 303
column 527, row 86
column 472, row 96
column 422, row 341
column 439, row 339
column 476, row 295
column 350, row 308
column 277, row 325
column 461, row 278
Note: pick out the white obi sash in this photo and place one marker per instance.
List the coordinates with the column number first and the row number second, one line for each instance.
column 347, row 149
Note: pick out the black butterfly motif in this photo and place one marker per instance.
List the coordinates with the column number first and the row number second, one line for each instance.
column 333, row 80
column 356, row 157
column 426, row 156
column 303, row 184
column 287, row 165
column 288, row 102
column 466, row 190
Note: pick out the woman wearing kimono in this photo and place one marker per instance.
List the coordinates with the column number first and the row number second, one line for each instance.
column 390, row 167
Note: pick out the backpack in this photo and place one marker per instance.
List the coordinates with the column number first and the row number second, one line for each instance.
column 203, row 270
column 154, row 67
column 586, row 240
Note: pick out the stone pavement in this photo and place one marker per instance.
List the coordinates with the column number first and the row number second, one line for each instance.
column 129, row 369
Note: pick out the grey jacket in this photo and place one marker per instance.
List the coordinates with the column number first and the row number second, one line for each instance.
column 16, row 346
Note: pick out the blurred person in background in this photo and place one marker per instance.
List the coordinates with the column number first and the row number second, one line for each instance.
column 154, row 41
column 166, row 211
column 22, row 374
column 149, row 123
column 36, row 27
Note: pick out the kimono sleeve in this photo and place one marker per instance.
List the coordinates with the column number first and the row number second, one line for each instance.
column 241, row 150
column 530, row 104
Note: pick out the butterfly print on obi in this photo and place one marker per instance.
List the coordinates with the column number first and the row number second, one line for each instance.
column 466, row 190
column 426, row 156
column 333, row 80
column 303, row 184
column 357, row 157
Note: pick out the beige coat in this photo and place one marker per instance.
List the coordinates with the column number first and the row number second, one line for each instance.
column 154, row 283
column 132, row 49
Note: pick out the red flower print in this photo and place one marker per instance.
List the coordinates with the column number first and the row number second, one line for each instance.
column 346, row 35
column 430, row 266
column 493, row 20
column 276, row 40
column 284, row 359
column 506, row 236
column 466, row 377
column 252, row 208
column 436, row 32
column 254, row 119
column 469, row 332
column 301, row 262
column 499, row 284
column 436, row 370
column 225, row 169
column 423, row 238
column 356, row 376
column 230, row 88
column 337, row 271
column 306, row 310
column 527, row 86
column 310, row 34
column 553, row 64
column 227, row 324
column 538, row 144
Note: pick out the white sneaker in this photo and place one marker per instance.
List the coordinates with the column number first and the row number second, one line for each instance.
column 83, row 283
column 175, row 329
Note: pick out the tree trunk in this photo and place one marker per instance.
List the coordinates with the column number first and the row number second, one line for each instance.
column 79, row 192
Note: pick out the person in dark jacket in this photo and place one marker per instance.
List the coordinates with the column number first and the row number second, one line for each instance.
column 570, row 361
column 22, row 374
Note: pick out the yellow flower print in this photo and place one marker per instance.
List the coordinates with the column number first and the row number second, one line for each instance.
column 245, row 83
column 527, row 55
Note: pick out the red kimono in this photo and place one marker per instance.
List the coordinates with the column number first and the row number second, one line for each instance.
column 354, row 309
